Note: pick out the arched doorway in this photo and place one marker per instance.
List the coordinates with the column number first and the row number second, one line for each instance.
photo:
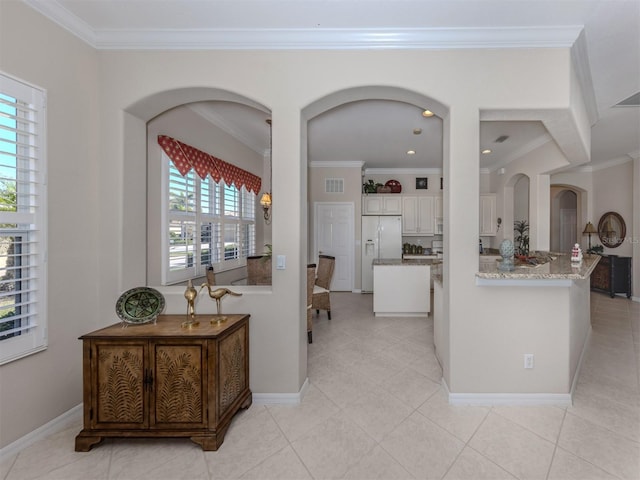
column 567, row 210
column 336, row 101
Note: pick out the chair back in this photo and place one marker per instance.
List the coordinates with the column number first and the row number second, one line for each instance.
column 326, row 264
column 258, row 268
column 311, row 280
column 211, row 276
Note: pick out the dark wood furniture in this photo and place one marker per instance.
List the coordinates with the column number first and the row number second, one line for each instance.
column 162, row 380
column 612, row 275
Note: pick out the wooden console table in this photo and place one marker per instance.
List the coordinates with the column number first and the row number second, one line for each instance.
column 612, row 275
column 162, row 380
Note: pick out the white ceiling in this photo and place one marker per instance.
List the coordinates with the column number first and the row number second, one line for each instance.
column 605, row 35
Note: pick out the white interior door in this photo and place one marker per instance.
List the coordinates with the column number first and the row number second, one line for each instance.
column 335, row 236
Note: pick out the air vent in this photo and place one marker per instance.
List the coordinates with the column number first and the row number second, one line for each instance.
column 334, row 185
column 632, row 101
column 501, row 138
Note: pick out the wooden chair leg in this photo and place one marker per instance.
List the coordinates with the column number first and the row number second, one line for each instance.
column 310, row 337
column 329, row 314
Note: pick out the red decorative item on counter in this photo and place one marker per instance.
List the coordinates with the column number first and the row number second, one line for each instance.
column 395, row 186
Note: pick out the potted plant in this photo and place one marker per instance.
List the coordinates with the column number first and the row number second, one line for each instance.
column 597, row 249
column 370, row 187
column 521, row 237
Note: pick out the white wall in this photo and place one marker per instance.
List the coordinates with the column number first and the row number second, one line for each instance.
column 40, row 387
column 102, row 102
column 608, row 184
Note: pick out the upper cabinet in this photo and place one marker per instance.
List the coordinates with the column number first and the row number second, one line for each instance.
column 488, row 215
column 421, row 214
column 381, row 204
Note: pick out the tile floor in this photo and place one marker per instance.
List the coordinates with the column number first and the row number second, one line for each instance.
column 375, row 410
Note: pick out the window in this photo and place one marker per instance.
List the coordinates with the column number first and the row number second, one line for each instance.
column 23, row 320
column 208, row 223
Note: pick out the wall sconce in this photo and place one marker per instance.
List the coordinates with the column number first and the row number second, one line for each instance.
column 265, row 200
column 588, row 230
column 499, row 223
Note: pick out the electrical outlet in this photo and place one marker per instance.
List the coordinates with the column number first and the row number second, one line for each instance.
column 528, row 360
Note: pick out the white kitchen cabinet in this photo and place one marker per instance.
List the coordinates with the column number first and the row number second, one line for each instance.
column 418, row 214
column 382, row 204
column 439, row 215
column 488, row 215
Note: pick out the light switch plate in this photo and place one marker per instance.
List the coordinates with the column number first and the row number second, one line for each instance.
column 281, row 262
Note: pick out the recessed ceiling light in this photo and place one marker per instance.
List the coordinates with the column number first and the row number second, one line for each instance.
column 417, row 131
column 486, row 151
column 411, row 152
column 428, row 113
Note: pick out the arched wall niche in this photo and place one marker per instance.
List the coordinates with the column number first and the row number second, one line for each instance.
column 559, row 198
column 516, row 196
column 136, row 117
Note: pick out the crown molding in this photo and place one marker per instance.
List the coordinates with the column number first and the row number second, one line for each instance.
column 308, row 38
column 305, row 39
column 336, row 164
column 399, row 171
column 67, row 20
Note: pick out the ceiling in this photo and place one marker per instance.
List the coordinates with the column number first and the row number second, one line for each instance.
column 605, row 36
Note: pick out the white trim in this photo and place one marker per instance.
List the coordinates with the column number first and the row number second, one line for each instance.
column 562, row 36
column 576, row 375
column 338, row 38
column 336, row 164
column 496, row 399
column 56, row 425
column 282, row 398
column 74, row 415
column 399, row 171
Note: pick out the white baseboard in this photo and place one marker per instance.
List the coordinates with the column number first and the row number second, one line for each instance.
column 635, row 299
column 75, row 415
column 281, row 398
column 54, row 426
column 496, row 399
column 583, row 354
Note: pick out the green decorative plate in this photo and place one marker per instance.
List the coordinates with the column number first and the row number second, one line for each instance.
column 140, row 305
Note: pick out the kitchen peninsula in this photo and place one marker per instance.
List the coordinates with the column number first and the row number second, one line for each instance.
column 402, row 287
column 534, row 326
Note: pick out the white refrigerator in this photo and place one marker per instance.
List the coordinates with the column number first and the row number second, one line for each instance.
column 381, row 238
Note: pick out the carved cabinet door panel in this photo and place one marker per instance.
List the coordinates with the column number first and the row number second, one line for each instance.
column 179, row 388
column 120, row 399
column 233, row 369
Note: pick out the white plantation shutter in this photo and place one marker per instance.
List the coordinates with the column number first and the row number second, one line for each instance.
column 23, row 292
column 207, row 223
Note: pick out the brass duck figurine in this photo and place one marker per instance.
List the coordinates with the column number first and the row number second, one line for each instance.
column 218, row 294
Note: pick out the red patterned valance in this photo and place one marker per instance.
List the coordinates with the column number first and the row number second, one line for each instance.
column 185, row 157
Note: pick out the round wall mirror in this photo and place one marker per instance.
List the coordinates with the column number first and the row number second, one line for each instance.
column 611, row 229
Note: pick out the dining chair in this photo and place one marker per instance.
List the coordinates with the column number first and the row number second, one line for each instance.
column 311, row 280
column 321, row 293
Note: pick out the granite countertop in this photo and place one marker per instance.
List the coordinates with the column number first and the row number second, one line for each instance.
column 392, row 262
column 560, row 268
